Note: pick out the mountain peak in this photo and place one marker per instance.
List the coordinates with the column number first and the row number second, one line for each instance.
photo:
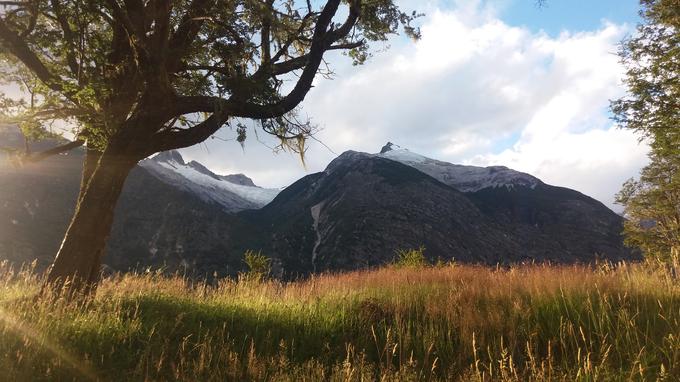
column 239, row 179
column 346, row 157
column 400, row 154
column 388, row 147
column 202, row 169
column 170, row 156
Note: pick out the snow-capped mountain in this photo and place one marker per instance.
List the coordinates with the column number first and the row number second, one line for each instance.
column 564, row 220
column 363, row 207
column 232, row 192
column 461, row 177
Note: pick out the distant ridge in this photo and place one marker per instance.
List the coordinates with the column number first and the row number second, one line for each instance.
column 234, row 192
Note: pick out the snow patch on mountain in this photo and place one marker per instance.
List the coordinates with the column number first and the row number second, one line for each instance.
column 463, row 178
column 254, row 194
column 233, row 192
column 316, row 213
column 399, row 154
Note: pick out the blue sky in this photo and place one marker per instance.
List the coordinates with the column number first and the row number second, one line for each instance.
column 491, row 82
column 571, row 15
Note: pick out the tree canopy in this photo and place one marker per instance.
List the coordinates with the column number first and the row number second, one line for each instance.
column 177, row 69
column 651, row 108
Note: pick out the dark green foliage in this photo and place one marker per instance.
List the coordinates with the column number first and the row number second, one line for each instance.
column 651, row 108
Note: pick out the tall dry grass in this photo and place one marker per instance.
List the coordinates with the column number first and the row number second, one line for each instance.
column 440, row 323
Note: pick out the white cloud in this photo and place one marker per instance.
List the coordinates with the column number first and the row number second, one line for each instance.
column 473, row 90
column 569, row 141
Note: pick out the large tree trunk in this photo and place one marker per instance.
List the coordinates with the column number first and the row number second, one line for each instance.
column 77, row 265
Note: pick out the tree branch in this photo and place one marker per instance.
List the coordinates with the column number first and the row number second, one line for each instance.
column 137, row 36
column 276, row 69
column 265, row 32
column 37, row 157
column 188, row 29
column 20, row 49
column 222, row 109
column 300, row 62
column 170, row 140
column 284, row 48
column 161, row 10
column 68, row 38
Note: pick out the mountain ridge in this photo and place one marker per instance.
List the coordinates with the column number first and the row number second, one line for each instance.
column 354, row 214
column 233, row 193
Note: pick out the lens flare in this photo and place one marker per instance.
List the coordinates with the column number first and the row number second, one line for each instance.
column 15, row 325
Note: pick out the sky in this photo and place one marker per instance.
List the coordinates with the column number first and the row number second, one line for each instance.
column 495, row 82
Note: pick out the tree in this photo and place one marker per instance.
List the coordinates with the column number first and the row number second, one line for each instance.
column 651, row 108
column 136, row 77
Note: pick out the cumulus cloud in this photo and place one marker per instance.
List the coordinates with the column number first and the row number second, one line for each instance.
column 472, row 90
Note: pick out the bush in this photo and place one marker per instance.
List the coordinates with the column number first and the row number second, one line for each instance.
column 411, row 258
column 259, row 265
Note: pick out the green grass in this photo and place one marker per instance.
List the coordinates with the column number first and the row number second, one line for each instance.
column 439, row 323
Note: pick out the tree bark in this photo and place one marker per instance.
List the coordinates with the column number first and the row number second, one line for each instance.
column 76, row 267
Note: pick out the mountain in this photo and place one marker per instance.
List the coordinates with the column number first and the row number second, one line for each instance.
column 462, row 178
column 364, row 207
column 232, row 192
column 181, row 216
column 36, row 202
column 558, row 219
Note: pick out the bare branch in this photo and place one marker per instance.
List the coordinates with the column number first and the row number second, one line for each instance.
column 265, row 32
column 69, row 37
column 37, row 157
column 20, row 49
column 284, row 48
column 188, row 29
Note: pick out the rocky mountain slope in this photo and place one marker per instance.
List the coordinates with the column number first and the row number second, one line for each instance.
column 363, row 207
column 550, row 220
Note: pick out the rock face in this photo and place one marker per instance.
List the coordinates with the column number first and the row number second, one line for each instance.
column 183, row 217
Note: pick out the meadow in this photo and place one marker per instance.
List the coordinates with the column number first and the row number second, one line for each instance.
column 447, row 322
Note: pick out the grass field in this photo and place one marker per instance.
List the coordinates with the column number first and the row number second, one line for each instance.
column 438, row 323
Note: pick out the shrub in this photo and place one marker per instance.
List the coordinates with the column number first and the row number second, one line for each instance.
column 411, row 258
column 259, row 265
column 442, row 263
